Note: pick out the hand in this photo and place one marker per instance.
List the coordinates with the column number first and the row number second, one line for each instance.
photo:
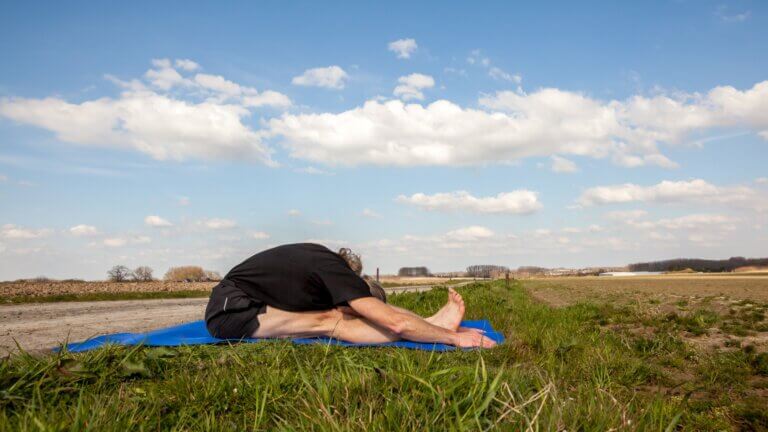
column 472, row 338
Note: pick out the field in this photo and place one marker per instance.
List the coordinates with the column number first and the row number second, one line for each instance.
column 582, row 365
column 54, row 291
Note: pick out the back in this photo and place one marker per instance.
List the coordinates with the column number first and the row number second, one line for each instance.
column 298, row 277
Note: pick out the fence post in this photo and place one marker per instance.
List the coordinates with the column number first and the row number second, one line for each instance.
column 377, row 274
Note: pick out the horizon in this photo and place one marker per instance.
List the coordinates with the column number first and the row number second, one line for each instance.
column 515, row 135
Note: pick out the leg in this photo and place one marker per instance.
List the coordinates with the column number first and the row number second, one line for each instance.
column 279, row 323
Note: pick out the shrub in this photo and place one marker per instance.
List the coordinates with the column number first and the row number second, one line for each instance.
column 190, row 274
column 119, row 273
column 143, row 274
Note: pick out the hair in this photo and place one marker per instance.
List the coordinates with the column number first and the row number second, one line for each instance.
column 376, row 289
column 356, row 264
column 352, row 259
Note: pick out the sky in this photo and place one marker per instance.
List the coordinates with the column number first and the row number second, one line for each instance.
column 417, row 133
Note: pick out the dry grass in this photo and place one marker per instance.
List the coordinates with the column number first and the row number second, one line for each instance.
column 570, row 290
column 53, row 288
column 723, row 312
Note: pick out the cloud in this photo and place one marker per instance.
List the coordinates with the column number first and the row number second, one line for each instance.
column 156, row 221
column 688, row 222
column 544, row 123
column 83, row 231
column 3, row 178
column 293, row 212
column 475, row 58
column 470, row 233
column 169, row 116
column 761, row 180
column 15, row 232
column 332, row 77
column 410, row 86
column 722, row 13
column 563, row 165
column 183, row 201
column 187, row 65
column 116, row 242
column 313, row 171
column 403, row 47
column 259, row 235
column 516, row 202
column 498, row 74
column 696, row 190
column 623, row 215
column 368, row 213
column 218, row 224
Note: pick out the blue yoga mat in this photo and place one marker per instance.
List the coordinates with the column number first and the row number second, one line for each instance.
column 195, row 333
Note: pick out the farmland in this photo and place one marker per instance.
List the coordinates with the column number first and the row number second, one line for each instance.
column 583, row 364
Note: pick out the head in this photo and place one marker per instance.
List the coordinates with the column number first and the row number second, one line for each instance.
column 376, row 289
column 352, row 259
column 356, row 264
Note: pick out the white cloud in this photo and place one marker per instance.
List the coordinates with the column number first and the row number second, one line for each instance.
column 499, row 74
column 688, row 222
column 516, row 202
column 563, row 165
column 403, row 47
column 116, row 242
column 543, row 123
column 722, row 13
column 761, row 180
column 3, row 178
column 696, row 190
column 84, row 230
column 183, row 201
column 313, row 171
column 156, row 221
column 475, row 58
column 15, row 232
column 370, row 213
column 259, row 235
column 218, row 224
column 411, row 86
column 164, row 76
column 174, row 117
column 187, row 65
column 332, row 77
column 623, row 215
column 470, row 233
column 293, row 212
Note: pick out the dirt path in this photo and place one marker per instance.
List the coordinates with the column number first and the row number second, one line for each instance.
column 41, row 326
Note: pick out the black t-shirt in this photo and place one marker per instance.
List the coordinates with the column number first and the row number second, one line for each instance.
column 299, row 277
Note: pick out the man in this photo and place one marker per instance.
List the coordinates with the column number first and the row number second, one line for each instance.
column 307, row 290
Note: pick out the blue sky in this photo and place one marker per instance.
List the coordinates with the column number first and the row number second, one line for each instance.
column 418, row 134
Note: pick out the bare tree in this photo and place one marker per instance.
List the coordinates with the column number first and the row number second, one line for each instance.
column 143, row 274
column 119, row 273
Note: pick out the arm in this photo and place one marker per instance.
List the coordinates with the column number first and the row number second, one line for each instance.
column 414, row 328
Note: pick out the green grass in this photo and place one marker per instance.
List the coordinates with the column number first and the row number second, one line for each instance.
column 568, row 368
column 106, row 296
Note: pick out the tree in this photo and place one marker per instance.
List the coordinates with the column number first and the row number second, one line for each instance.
column 143, row 274
column 119, row 273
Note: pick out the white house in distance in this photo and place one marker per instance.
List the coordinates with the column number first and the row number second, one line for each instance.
column 627, row 273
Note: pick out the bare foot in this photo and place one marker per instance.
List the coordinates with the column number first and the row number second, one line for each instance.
column 450, row 315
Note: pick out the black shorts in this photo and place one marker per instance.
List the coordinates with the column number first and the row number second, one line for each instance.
column 230, row 313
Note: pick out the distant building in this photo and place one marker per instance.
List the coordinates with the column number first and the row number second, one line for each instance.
column 626, row 273
column 413, row 272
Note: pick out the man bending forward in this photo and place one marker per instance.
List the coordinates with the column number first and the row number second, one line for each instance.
column 307, row 290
